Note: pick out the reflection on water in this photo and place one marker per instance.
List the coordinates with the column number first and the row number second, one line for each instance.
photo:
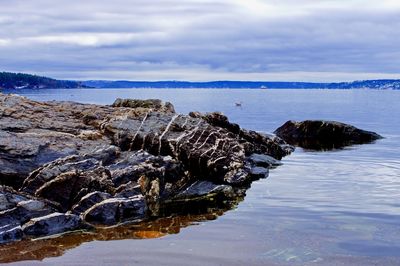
column 39, row 249
column 320, row 208
column 316, row 145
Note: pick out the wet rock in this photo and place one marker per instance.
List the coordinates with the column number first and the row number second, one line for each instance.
column 89, row 201
column 68, row 188
column 116, row 210
column 32, row 205
column 73, row 163
column 264, row 160
column 254, row 142
column 259, row 172
column 12, row 234
column 18, row 208
column 215, row 151
column 48, row 172
column 18, row 211
column 201, row 197
column 128, row 190
column 203, row 190
column 9, row 198
column 324, row 135
column 51, row 224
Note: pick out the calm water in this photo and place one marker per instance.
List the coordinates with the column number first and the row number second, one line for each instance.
column 319, row 208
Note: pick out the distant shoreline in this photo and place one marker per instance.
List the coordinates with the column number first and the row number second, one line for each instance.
column 15, row 81
column 264, row 85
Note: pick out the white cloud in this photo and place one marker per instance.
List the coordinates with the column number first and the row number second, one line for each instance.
column 4, row 42
column 90, row 39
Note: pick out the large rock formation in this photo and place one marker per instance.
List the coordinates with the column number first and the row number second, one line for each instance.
column 66, row 166
column 324, row 135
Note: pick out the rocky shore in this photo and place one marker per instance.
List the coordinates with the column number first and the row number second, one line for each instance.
column 70, row 167
column 67, row 166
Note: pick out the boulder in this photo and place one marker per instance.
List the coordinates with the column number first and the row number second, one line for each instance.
column 323, row 135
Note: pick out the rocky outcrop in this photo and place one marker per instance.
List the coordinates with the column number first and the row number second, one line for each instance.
column 323, row 135
column 66, row 166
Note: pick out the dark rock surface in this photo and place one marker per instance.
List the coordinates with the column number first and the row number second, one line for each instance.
column 51, row 224
column 323, row 135
column 66, row 166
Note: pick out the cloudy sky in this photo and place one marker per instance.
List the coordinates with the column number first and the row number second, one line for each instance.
column 304, row 40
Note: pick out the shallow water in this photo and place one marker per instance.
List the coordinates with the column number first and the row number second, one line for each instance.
column 320, row 208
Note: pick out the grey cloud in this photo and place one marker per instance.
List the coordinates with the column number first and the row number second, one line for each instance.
column 125, row 39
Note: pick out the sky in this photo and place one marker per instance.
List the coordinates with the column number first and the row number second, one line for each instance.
column 202, row 40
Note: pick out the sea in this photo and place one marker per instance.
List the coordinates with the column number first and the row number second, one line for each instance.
column 339, row 207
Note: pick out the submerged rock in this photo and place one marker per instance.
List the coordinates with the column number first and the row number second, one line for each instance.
column 74, row 165
column 324, row 135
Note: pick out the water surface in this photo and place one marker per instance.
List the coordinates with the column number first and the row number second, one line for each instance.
column 320, row 208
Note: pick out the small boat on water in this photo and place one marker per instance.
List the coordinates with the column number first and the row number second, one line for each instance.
column 263, row 87
column 238, row 104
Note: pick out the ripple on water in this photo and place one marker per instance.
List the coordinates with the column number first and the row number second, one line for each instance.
column 320, row 208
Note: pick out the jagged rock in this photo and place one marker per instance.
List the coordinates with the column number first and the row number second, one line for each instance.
column 116, row 210
column 323, row 135
column 17, row 208
column 206, row 150
column 48, row 172
column 68, row 188
column 89, row 200
column 125, row 175
column 73, row 164
column 51, row 224
column 33, row 134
